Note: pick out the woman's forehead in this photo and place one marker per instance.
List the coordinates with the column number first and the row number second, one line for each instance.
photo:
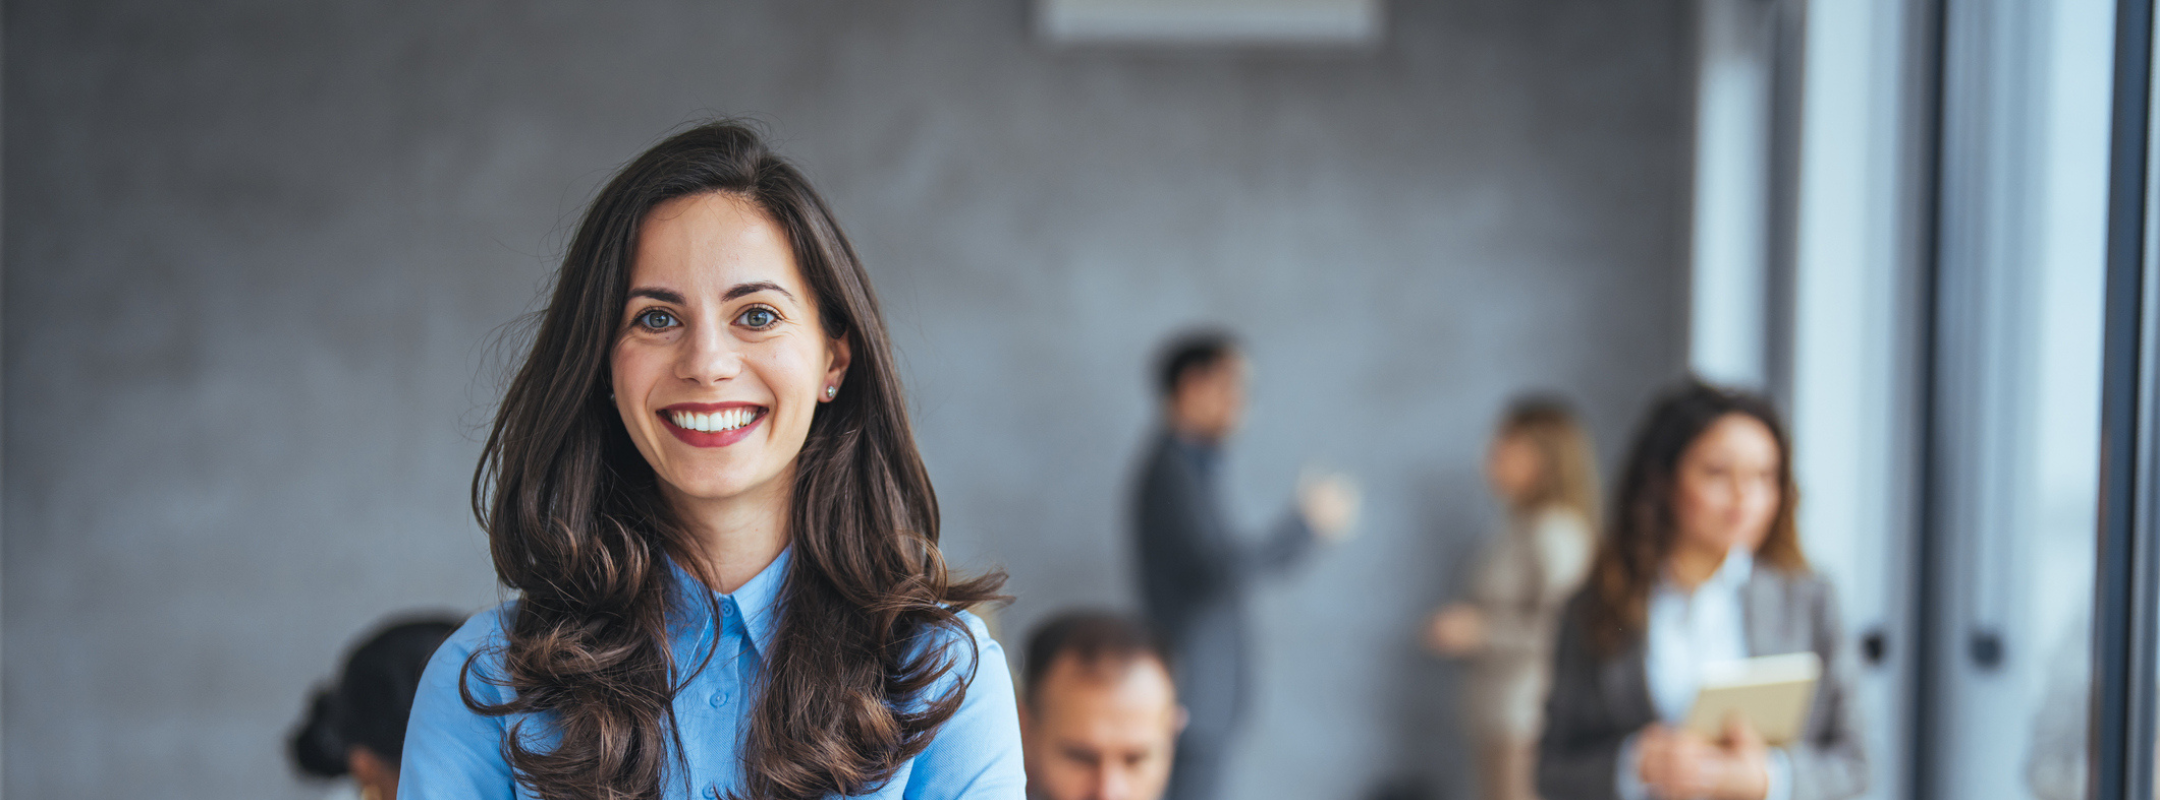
column 1736, row 434
column 704, row 244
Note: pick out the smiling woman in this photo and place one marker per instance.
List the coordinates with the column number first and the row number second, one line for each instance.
column 1701, row 566
column 727, row 565
column 721, row 362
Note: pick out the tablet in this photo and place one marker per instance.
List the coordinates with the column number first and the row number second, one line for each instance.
column 1771, row 692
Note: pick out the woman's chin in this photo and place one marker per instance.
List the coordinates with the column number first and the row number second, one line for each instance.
column 716, row 487
column 1712, row 544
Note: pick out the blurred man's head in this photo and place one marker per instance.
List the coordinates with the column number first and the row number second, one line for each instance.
column 1202, row 381
column 1100, row 714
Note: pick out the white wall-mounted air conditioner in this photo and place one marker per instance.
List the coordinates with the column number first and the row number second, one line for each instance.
column 1332, row 23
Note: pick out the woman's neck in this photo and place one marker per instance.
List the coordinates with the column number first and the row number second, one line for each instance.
column 739, row 536
column 1691, row 565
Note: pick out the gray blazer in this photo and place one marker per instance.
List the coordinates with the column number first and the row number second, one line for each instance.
column 1194, row 571
column 1597, row 702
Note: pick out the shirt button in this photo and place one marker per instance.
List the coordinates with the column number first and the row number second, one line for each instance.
column 719, row 699
column 725, row 610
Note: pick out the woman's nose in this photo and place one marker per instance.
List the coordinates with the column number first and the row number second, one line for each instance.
column 708, row 356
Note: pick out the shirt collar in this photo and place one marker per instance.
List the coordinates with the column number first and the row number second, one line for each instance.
column 1200, row 453
column 1734, row 573
column 1739, row 566
column 757, row 600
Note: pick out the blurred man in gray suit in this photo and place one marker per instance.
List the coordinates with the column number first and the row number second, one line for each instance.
column 1194, row 569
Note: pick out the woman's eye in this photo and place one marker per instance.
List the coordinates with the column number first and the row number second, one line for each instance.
column 655, row 319
column 758, row 317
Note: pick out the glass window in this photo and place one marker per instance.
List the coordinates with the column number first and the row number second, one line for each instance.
column 2019, row 298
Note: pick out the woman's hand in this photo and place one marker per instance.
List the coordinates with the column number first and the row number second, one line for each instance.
column 1679, row 765
column 1456, row 631
column 1675, row 764
column 1745, row 774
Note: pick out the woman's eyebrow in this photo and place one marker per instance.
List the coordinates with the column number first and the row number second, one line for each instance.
column 739, row 290
column 754, row 287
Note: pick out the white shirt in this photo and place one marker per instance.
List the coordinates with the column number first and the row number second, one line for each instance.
column 1688, row 631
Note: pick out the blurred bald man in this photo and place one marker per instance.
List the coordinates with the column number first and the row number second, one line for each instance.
column 1100, row 715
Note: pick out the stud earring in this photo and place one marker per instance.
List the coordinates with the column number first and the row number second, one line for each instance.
column 831, row 391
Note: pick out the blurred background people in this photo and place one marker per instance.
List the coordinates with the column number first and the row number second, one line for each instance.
column 1099, row 715
column 1541, row 467
column 357, row 726
column 1702, row 564
column 1194, row 568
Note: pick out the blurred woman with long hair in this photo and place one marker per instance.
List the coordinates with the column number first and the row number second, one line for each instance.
column 1700, row 564
column 1541, row 467
column 703, row 486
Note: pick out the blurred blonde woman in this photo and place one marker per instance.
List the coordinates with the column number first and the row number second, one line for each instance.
column 1541, row 467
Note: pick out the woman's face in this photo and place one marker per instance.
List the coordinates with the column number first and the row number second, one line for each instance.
column 1513, row 467
column 720, row 359
column 1726, row 488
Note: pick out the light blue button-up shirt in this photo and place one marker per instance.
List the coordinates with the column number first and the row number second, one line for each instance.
column 1689, row 631
column 452, row 752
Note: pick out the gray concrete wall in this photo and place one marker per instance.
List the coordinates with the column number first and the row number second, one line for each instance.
column 256, row 253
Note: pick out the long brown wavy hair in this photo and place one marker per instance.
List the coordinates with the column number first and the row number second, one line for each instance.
column 577, row 525
column 1643, row 529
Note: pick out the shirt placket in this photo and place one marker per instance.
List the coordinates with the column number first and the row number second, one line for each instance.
column 707, row 772
column 1689, row 663
column 720, row 693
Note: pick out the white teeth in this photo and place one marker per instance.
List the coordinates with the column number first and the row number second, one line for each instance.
column 727, row 420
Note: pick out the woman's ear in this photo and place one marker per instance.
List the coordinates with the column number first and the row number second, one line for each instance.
column 839, row 351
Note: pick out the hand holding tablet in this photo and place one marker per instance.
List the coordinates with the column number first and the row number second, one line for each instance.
column 1771, row 693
